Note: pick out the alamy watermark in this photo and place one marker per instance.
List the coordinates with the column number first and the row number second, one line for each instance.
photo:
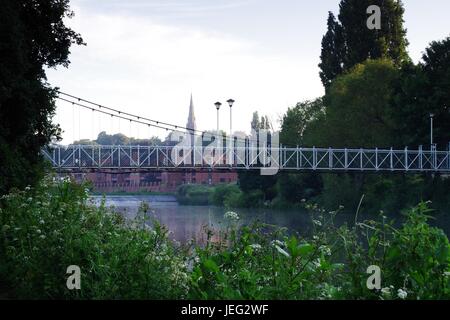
column 374, row 20
column 261, row 148
column 74, row 280
column 374, row 280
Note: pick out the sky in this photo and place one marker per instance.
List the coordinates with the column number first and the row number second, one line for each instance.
column 147, row 57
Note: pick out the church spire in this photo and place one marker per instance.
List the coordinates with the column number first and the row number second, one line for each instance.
column 191, row 119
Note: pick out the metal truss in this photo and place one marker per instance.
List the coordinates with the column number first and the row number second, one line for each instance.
column 320, row 159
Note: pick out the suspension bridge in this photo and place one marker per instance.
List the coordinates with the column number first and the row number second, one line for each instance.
column 232, row 153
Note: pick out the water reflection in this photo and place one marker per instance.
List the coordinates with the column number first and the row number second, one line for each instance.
column 189, row 222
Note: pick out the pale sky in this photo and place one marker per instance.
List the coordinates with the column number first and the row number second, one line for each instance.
column 147, row 56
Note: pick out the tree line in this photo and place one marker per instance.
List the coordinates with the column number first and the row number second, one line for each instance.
column 375, row 96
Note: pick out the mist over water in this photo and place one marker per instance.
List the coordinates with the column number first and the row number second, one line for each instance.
column 188, row 222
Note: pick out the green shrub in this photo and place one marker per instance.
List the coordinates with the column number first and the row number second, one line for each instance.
column 47, row 229
column 223, row 193
column 265, row 262
column 193, row 194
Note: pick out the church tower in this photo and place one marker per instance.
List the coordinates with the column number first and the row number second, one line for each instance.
column 191, row 126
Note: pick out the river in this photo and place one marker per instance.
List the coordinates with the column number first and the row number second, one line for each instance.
column 188, row 222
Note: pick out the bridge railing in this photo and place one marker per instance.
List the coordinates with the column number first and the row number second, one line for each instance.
column 324, row 159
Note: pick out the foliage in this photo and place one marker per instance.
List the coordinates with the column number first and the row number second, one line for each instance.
column 297, row 119
column 105, row 139
column 349, row 42
column 222, row 193
column 263, row 262
column 226, row 195
column 359, row 109
column 193, row 194
column 34, row 37
column 331, row 65
column 48, row 228
column 423, row 90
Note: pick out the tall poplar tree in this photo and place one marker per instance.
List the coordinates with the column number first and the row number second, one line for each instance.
column 349, row 41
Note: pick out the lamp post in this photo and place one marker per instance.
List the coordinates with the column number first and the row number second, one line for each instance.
column 230, row 146
column 431, row 128
column 218, row 104
column 230, row 103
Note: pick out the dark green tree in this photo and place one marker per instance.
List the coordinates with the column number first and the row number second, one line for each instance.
column 332, row 55
column 349, row 41
column 422, row 90
column 436, row 67
column 33, row 36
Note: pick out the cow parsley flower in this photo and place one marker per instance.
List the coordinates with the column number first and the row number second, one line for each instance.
column 256, row 246
column 230, row 215
column 402, row 294
column 317, row 223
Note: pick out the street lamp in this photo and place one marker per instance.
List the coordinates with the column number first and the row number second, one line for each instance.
column 230, row 103
column 218, row 104
column 431, row 128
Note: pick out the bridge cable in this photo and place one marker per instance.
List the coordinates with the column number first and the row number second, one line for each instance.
column 137, row 117
column 132, row 120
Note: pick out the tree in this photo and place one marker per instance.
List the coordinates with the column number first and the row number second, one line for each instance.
column 331, row 58
column 33, row 36
column 436, row 67
column 422, row 90
column 359, row 111
column 349, row 41
column 296, row 120
column 293, row 187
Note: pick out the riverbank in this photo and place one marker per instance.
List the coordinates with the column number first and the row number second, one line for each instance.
column 130, row 259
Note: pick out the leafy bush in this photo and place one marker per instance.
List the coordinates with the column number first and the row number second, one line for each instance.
column 263, row 262
column 192, row 194
column 223, row 192
column 47, row 229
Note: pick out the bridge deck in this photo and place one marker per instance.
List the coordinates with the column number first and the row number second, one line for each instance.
column 164, row 157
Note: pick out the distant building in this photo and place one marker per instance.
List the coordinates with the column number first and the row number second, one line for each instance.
column 160, row 180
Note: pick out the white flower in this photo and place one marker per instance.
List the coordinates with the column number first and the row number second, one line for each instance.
column 325, row 250
column 256, row 246
column 317, row 263
column 230, row 215
column 317, row 222
column 402, row 294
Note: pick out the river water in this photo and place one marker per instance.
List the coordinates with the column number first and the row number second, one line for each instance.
column 189, row 222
